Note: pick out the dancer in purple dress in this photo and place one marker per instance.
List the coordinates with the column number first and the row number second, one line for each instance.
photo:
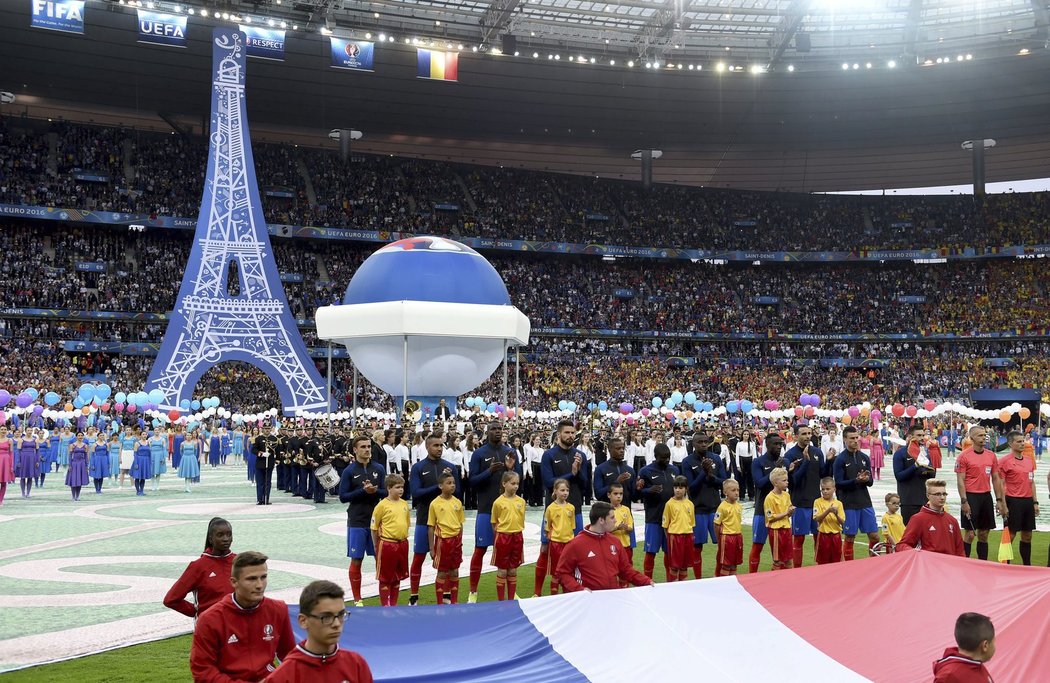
column 28, row 461
column 77, row 473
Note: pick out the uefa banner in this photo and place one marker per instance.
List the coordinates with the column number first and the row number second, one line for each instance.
column 264, row 43
column 58, row 15
column 355, row 55
column 157, row 28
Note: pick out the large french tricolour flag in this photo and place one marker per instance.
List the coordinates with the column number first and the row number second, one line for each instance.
column 884, row 619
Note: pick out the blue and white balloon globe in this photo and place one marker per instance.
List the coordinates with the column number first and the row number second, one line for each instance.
column 443, row 297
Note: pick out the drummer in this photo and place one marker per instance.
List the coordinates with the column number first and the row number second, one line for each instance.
column 321, row 462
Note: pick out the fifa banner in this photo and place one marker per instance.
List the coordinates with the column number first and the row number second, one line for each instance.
column 156, row 28
column 437, row 66
column 264, row 43
column 795, row 623
column 355, row 55
column 58, row 15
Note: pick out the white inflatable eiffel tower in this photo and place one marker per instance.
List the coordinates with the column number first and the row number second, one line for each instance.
column 208, row 325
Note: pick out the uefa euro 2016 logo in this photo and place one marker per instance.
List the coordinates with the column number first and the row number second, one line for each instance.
column 268, row 632
column 352, row 50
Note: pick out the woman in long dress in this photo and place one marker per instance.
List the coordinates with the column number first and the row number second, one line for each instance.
column 128, row 442
column 158, row 451
column 189, row 462
column 7, row 463
column 98, row 464
column 28, row 461
column 77, row 472
column 141, row 465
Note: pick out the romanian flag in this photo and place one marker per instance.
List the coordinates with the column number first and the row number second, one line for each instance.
column 441, row 66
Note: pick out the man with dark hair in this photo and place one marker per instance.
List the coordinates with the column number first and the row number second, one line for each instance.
column 975, row 645
column 596, row 560
column 265, row 446
column 238, row 637
column 912, row 468
column 424, row 480
column 806, row 467
column 852, row 479
column 487, row 465
column 705, row 472
column 361, row 486
column 615, row 470
column 322, row 614
column 1022, row 507
column 564, row 461
column 656, row 485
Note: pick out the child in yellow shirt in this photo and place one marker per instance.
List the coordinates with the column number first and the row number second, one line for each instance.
column 559, row 521
column 778, row 509
column 728, row 532
column 445, row 531
column 829, row 515
column 892, row 521
column 390, row 521
column 678, row 522
column 508, row 521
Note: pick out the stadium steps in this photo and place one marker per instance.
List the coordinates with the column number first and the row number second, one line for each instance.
column 412, row 206
column 322, row 269
column 304, row 173
column 129, row 161
column 52, row 154
column 467, row 197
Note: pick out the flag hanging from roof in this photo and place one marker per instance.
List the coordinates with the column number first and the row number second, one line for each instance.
column 439, row 66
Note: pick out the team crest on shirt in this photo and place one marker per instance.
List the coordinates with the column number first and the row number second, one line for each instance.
column 612, row 548
column 268, row 632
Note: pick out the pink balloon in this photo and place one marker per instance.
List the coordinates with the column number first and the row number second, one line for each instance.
column 911, row 411
column 853, row 411
column 119, row 407
column 809, row 411
column 798, row 411
column 3, row 417
column 630, row 419
column 876, row 415
column 645, row 411
column 131, row 408
column 930, row 404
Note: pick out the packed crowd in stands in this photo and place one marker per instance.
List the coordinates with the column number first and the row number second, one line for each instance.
column 160, row 174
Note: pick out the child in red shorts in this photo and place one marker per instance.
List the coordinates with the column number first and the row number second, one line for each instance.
column 445, row 531
column 390, row 521
column 508, row 521
column 778, row 510
column 678, row 522
column 829, row 516
column 728, row 533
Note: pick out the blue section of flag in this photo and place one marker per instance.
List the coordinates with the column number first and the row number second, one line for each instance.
column 482, row 643
column 352, row 54
column 58, row 15
column 162, row 29
column 265, row 43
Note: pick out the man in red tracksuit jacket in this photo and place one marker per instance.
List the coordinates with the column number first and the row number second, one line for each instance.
column 596, row 560
column 932, row 527
column 238, row 637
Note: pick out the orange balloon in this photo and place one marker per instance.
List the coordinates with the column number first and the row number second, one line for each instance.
column 846, row 419
column 864, row 412
column 1025, row 413
column 85, row 410
column 688, row 414
column 69, row 407
column 1004, row 416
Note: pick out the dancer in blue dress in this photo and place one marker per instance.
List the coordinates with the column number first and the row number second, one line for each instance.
column 215, row 448
column 77, row 472
column 237, row 445
column 176, row 448
column 28, row 465
column 142, row 464
column 64, row 439
column 189, row 462
column 113, row 444
column 158, row 448
column 250, row 458
column 224, row 441
column 98, row 464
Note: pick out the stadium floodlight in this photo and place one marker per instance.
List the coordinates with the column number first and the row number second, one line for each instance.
column 892, row 64
column 368, row 36
column 648, row 65
column 612, row 62
column 845, row 66
column 720, row 67
column 868, row 65
column 535, row 55
column 791, row 67
column 969, row 57
column 856, row 66
column 630, row 64
column 6, row 97
column 270, row 22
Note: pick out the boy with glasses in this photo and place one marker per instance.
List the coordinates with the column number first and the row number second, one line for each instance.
column 932, row 527
column 322, row 614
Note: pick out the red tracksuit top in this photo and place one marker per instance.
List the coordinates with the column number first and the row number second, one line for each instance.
column 231, row 643
column 957, row 668
column 303, row 666
column 597, row 562
column 209, row 577
column 937, row 532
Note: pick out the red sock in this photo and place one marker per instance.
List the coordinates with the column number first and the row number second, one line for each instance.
column 648, row 563
column 871, row 546
column 847, row 550
column 476, row 562
column 501, row 588
column 800, row 542
column 555, row 586
column 698, row 561
column 755, row 557
column 512, row 586
column 416, row 572
column 439, row 590
column 395, row 590
column 668, row 573
column 384, row 594
column 355, row 580
column 455, row 589
column 541, row 572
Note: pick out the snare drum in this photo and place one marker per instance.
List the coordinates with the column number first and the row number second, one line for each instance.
column 327, row 476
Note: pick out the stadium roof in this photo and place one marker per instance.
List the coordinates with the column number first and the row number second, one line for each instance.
column 765, row 32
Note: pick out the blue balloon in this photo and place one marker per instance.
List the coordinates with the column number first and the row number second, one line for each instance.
column 572, row 406
column 51, row 398
column 195, row 405
column 671, row 402
column 690, row 397
column 492, row 407
column 103, row 391
column 698, row 406
column 602, row 405
column 732, row 407
column 184, row 404
column 676, row 396
column 156, row 396
column 708, row 407
column 591, row 406
column 657, row 401
column 87, row 391
column 32, row 392
column 121, row 397
column 79, row 402
column 746, row 406
column 563, row 404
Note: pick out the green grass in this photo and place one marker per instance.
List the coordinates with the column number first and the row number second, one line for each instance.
column 168, row 660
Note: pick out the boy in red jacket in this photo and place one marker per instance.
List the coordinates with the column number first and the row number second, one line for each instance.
column 237, row 639
column 932, row 528
column 975, row 640
column 318, row 659
column 595, row 559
